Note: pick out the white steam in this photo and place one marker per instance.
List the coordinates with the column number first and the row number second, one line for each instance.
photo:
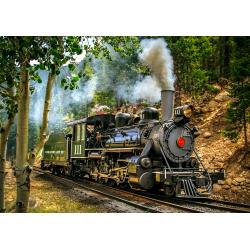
column 158, row 58
column 145, row 88
column 86, row 93
column 98, row 107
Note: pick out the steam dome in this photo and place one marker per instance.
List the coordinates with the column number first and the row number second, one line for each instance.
column 149, row 114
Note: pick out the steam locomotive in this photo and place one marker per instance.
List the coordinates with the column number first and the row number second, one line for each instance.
column 141, row 152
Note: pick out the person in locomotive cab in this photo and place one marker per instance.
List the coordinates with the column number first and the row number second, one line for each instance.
column 89, row 138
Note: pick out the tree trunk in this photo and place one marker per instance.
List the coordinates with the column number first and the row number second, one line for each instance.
column 4, row 133
column 221, row 54
column 42, row 137
column 3, row 146
column 227, row 58
column 23, row 166
column 22, row 170
column 245, row 130
column 215, row 65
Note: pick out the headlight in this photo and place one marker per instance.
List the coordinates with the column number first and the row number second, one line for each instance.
column 188, row 112
column 182, row 114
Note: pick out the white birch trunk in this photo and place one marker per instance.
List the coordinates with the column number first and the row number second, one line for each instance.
column 23, row 165
column 42, row 137
column 4, row 133
column 22, row 169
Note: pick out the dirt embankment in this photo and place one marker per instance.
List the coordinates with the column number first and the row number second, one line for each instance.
column 218, row 151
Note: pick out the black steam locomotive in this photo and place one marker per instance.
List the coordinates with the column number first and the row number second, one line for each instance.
column 141, row 152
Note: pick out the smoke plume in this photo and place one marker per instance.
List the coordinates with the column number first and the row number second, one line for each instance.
column 131, row 87
column 158, row 58
column 98, row 107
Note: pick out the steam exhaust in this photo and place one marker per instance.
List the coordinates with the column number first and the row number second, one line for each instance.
column 167, row 103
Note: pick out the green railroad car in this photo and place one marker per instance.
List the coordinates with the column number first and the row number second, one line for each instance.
column 56, row 153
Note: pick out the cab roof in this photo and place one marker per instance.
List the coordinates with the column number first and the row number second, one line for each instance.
column 92, row 119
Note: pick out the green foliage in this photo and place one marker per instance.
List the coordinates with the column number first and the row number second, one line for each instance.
column 232, row 134
column 210, row 88
column 17, row 50
column 157, row 105
column 51, row 53
column 238, row 113
column 192, row 57
column 11, row 107
column 198, row 60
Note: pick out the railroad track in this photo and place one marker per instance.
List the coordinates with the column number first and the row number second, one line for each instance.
column 205, row 205
column 180, row 204
column 139, row 201
column 214, row 206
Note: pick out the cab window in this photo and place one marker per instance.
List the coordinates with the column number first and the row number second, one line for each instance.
column 78, row 134
column 83, row 132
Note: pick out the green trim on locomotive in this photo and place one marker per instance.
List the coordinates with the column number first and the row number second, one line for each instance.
column 55, row 148
column 80, row 128
column 79, row 141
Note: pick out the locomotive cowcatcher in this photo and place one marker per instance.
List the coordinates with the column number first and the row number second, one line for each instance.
column 140, row 152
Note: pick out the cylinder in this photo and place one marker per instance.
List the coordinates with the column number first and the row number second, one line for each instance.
column 167, row 104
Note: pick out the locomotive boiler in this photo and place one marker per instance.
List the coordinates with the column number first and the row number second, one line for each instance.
column 140, row 152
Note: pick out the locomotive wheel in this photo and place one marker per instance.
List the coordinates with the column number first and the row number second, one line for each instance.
column 53, row 170
column 82, row 175
column 68, row 172
column 124, row 184
column 63, row 171
column 169, row 191
column 73, row 173
column 111, row 183
column 101, row 180
column 59, row 170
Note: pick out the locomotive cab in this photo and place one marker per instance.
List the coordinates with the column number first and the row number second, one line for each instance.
column 86, row 132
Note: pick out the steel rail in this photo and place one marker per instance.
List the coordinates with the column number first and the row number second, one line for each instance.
column 204, row 204
column 234, row 210
column 61, row 179
column 229, row 203
column 164, row 203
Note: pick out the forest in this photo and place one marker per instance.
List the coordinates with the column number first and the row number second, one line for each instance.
column 109, row 76
column 198, row 63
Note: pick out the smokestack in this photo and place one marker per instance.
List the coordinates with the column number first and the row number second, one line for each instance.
column 167, row 103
